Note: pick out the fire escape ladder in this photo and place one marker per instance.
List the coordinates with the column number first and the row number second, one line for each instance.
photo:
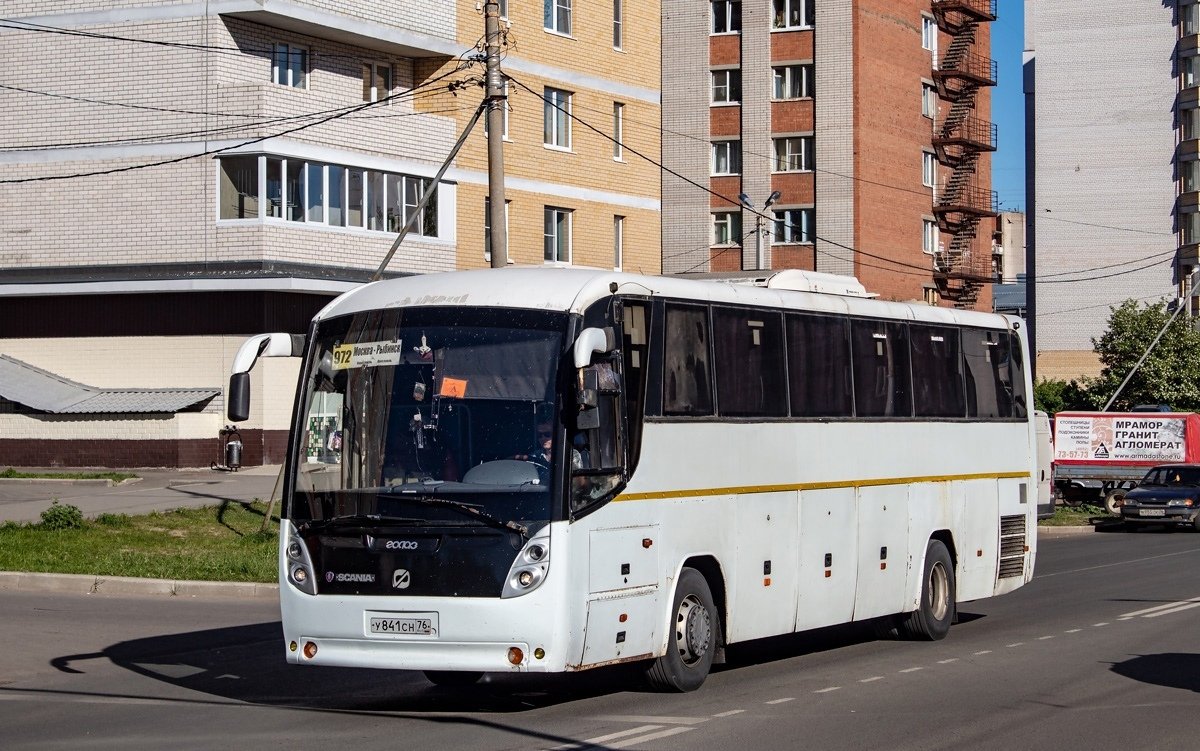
column 959, row 138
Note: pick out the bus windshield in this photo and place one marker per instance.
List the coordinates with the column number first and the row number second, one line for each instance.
column 441, row 416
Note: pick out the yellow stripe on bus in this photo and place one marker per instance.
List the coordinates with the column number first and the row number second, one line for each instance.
column 749, row 489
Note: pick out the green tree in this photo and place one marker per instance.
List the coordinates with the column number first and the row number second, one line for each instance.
column 1053, row 395
column 1171, row 372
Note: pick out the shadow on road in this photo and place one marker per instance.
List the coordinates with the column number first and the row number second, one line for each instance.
column 1170, row 669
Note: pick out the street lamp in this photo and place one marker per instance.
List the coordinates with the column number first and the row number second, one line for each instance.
column 759, row 259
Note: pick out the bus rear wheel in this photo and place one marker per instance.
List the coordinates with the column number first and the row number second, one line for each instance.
column 695, row 634
column 453, row 678
column 932, row 618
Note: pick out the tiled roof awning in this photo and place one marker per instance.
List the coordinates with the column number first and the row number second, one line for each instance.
column 46, row 392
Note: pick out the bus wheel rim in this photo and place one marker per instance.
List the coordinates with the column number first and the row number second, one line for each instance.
column 939, row 589
column 693, row 630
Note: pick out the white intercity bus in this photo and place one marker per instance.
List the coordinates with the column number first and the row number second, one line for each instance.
column 554, row 469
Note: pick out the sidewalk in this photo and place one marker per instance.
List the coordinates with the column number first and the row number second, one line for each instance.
column 156, row 490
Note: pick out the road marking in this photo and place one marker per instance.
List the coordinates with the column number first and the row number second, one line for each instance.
column 1179, row 609
column 730, row 713
column 827, row 690
column 1072, row 631
column 606, row 738
column 1159, row 607
column 872, row 678
column 781, row 701
column 984, row 652
column 1126, row 618
column 1044, row 638
column 650, row 737
column 1098, row 625
column 911, row 670
column 654, row 719
column 1016, row 644
column 947, row 662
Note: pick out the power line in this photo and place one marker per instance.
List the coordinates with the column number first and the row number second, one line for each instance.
column 1102, row 276
column 1093, row 307
column 1102, row 226
column 1109, row 266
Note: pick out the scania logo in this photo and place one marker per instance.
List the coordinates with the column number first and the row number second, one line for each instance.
column 332, row 577
column 400, row 545
column 401, row 578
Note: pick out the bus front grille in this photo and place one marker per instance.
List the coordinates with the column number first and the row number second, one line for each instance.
column 1012, row 546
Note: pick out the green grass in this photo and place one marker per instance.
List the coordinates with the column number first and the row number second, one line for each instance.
column 1078, row 516
column 216, row 543
column 11, row 473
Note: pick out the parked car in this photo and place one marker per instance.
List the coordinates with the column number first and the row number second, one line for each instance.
column 1168, row 494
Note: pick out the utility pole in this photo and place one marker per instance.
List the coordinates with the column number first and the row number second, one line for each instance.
column 496, row 102
column 760, row 258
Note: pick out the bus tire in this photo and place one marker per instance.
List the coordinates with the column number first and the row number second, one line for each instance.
column 933, row 616
column 694, row 635
column 453, row 678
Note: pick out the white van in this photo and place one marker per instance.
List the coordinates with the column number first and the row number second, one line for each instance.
column 1045, row 454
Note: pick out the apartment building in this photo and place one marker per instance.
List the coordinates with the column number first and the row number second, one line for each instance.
column 179, row 176
column 847, row 136
column 1112, row 167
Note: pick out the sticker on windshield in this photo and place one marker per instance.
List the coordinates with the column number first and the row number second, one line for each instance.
column 366, row 355
column 453, row 387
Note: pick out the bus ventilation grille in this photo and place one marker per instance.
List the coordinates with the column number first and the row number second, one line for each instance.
column 1012, row 546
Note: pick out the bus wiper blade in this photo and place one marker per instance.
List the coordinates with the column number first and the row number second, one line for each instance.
column 469, row 510
column 359, row 521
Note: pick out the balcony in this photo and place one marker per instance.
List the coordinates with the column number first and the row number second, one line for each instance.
column 953, row 15
column 972, row 133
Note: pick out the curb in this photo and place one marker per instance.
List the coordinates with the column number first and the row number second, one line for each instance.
column 88, row 584
column 69, row 481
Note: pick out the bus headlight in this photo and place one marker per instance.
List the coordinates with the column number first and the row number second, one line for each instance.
column 529, row 569
column 299, row 566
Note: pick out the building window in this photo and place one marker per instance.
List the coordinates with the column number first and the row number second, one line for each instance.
column 557, row 15
column 929, row 32
column 928, row 169
column 1191, row 123
column 929, row 100
column 794, row 154
column 1189, row 224
column 1189, row 18
column 793, row 14
column 503, row 8
column 726, row 86
column 929, row 236
column 557, row 121
column 793, row 81
column 487, row 227
column 726, row 16
column 727, row 228
column 727, row 157
column 618, row 13
column 618, row 131
column 1189, row 68
column 298, row 191
column 377, row 81
column 289, row 65
column 1190, row 173
column 239, row 187
column 618, row 242
column 794, row 226
column 558, row 234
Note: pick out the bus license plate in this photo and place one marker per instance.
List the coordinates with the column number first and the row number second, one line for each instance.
column 403, row 624
column 1151, row 512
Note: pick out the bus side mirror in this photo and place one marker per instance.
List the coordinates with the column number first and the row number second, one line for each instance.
column 592, row 340
column 239, row 397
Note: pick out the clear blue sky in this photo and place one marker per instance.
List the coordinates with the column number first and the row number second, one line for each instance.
column 1008, row 105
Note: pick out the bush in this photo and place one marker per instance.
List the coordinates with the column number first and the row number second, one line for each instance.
column 114, row 520
column 62, row 516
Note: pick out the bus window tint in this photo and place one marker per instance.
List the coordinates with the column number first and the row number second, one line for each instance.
column 1016, row 383
column 687, row 383
column 881, row 377
column 748, row 347
column 819, row 366
column 937, row 371
column 989, row 392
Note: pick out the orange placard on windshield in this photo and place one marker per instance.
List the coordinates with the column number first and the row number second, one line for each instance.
column 453, row 387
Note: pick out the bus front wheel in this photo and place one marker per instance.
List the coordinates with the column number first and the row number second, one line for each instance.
column 695, row 633
column 933, row 616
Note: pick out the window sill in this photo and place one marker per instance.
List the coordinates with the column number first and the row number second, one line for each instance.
column 794, row 99
column 619, row 160
column 724, row 33
column 781, row 29
column 724, row 104
column 561, row 35
column 792, row 172
column 726, row 174
column 560, row 149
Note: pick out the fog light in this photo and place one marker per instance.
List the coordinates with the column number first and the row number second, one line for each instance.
column 515, row 655
column 310, row 650
column 300, row 574
column 525, row 578
column 293, row 646
column 539, row 653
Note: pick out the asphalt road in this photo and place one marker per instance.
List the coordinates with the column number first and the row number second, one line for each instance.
column 1099, row 652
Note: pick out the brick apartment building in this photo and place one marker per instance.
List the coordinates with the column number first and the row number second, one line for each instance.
column 181, row 175
column 869, row 118
column 1112, row 167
